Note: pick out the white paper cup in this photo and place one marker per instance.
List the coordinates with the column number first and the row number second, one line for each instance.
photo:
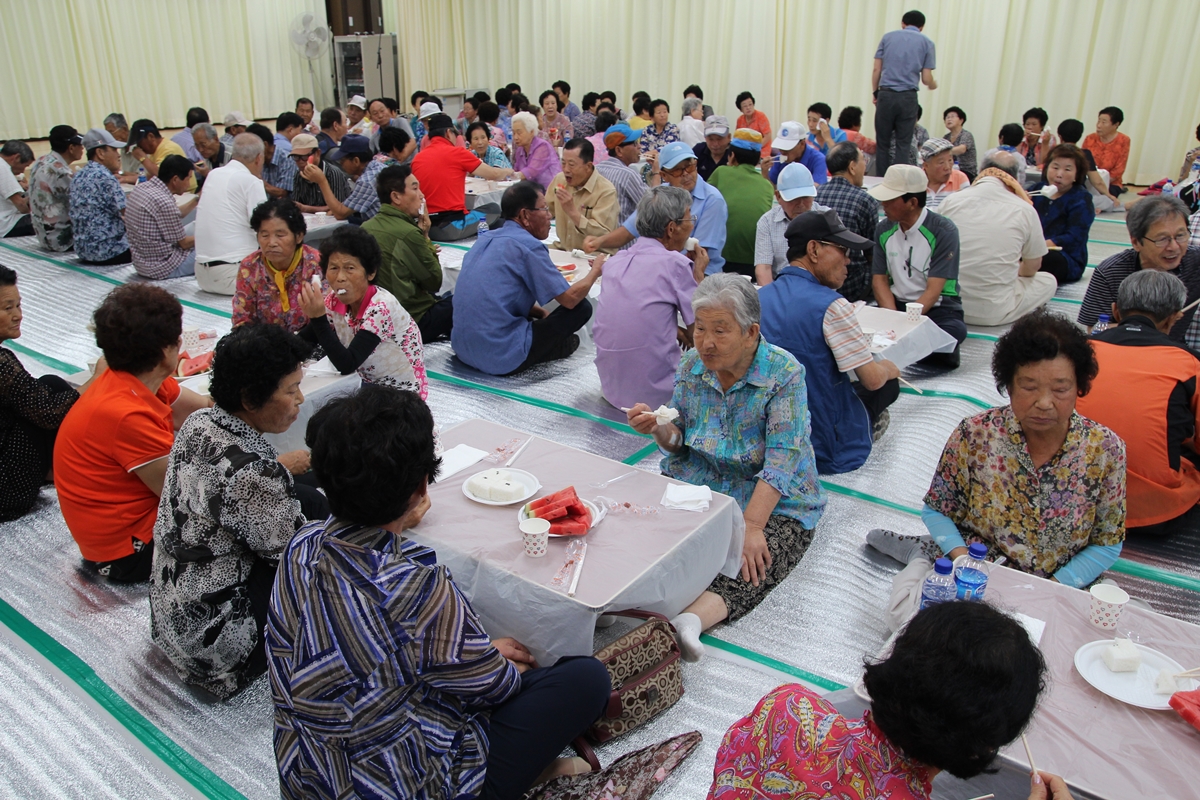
column 1108, row 602
column 913, row 310
column 191, row 340
column 536, row 534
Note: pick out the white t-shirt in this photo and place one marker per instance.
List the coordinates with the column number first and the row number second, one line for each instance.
column 9, row 213
column 996, row 231
column 223, row 232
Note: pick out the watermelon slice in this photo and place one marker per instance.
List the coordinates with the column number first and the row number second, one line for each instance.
column 571, row 526
column 194, row 366
column 553, row 499
column 548, row 512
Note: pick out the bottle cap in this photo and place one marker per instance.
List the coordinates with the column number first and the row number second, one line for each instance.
column 943, row 566
column 978, row 551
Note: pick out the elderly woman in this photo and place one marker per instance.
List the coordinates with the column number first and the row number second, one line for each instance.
column 661, row 131
column 751, row 117
column 479, row 142
column 691, row 126
column 110, row 458
column 649, row 285
column 961, row 682
column 31, row 410
column 1067, row 214
column 533, row 157
column 270, row 278
column 555, row 123
column 1033, row 480
column 585, row 121
column 359, row 325
column 229, row 507
column 735, row 381
column 452, row 712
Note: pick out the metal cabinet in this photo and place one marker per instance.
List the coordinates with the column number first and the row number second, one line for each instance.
column 365, row 65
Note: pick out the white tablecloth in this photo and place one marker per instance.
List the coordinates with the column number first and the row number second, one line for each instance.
column 480, row 192
column 320, row 226
column 914, row 340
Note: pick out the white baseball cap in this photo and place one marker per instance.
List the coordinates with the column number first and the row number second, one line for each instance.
column 359, row 101
column 235, row 118
column 790, row 135
column 900, row 179
column 428, row 110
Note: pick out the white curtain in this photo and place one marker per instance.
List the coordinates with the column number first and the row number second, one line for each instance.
column 75, row 61
column 996, row 58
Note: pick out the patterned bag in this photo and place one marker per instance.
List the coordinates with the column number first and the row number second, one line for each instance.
column 646, row 676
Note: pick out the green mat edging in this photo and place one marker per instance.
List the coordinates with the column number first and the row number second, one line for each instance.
column 782, row 666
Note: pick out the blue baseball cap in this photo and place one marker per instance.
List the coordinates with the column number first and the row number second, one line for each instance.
column 795, row 181
column 627, row 133
column 352, row 144
column 670, row 156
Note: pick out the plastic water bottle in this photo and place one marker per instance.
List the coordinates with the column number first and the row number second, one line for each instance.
column 141, row 175
column 939, row 586
column 1101, row 324
column 971, row 573
column 1168, row 189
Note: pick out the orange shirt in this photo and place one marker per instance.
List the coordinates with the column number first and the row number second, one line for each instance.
column 1112, row 156
column 116, row 426
column 1146, row 393
column 760, row 123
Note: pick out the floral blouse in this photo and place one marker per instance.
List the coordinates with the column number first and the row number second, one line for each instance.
column 653, row 140
column 1038, row 518
column 50, row 202
column 796, row 745
column 257, row 297
column 759, row 428
column 398, row 358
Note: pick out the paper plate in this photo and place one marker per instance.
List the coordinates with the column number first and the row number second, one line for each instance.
column 562, row 258
column 531, row 483
column 860, row 689
column 597, row 512
column 1134, row 688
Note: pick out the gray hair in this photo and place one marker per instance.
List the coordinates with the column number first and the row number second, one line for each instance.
column 15, row 147
column 1001, row 160
column 659, row 207
column 729, row 292
column 528, row 121
column 1160, row 294
column 247, row 148
column 206, row 128
column 691, row 104
column 117, row 121
column 1149, row 210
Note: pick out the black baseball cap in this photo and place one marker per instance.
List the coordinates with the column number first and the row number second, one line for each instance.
column 439, row 123
column 63, row 136
column 822, row 226
column 140, row 130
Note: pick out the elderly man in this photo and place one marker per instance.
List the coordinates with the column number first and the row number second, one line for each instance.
column 803, row 313
column 916, row 256
column 857, row 210
column 235, row 123
column 903, row 60
column 223, row 233
column 333, row 128
column 352, row 155
column 213, row 152
column 158, row 241
column 363, row 202
column 748, row 195
column 794, row 192
column 356, row 116
column 1155, row 410
column 1010, row 137
column 1001, row 246
column 279, row 172
column 50, row 189
column 583, row 202
column 195, row 116
column 14, row 203
column 621, row 141
column 116, row 125
column 306, row 110
column 1158, row 231
column 795, row 149
column 384, row 113
column 97, row 203
column 288, row 126
column 714, row 151
column 937, row 159
column 442, row 168
column 677, row 163
column 500, row 326
column 149, row 148
column 307, row 192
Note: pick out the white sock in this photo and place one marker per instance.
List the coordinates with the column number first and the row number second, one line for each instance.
column 688, row 628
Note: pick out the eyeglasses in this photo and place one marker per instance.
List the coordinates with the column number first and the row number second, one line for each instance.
column 299, row 159
column 1162, row 241
column 845, row 250
column 693, row 219
column 684, row 170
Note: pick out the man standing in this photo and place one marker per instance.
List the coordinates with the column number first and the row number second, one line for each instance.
column 714, row 151
column 500, row 326
column 97, row 203
column 442, row 168
column 795, row 149
column 916, row 256
column 748, row 196
column 158, row 242
column 50, row 189
column 904, row 60
column 410, row 269
column 795, row 191
column 803, row 313
column 223, row 233
column 333, row 128
column 582, row 201
column 235, row 123
column 857, row 210
column 621, row 141
column 213, row 152
column 307, row 194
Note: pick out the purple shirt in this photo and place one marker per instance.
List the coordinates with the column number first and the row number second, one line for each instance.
column 541, row 164
column 637, row 354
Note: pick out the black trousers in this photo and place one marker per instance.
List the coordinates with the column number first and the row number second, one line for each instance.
column 133, row 568
column 555, row 704
column 259, row 586
column 24, row 227
column 119, row 258
column 951, row 321
column 1188, row 522
column 895, row 121
column 878, row 400
column 437, row 322
column 554, row 337
column 313, row 504
column 1055, row 263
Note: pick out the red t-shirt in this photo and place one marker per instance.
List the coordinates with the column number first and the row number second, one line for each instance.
column 116, row 426
column 442, row 170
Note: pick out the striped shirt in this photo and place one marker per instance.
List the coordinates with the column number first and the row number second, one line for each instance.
column 280, row 171
column 308, row 193
column 380, row 670
column 845, row 336
column 1106, row 280
column 629, row 185
column 770, row 244
column 364, row 199
column 154, row 229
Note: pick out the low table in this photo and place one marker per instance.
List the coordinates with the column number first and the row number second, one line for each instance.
column 914, row 340
column 320, row 226
column 659, row 562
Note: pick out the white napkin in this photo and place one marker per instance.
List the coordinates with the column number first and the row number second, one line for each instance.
column 686, row 497
column 458, row 458
column 322, row 367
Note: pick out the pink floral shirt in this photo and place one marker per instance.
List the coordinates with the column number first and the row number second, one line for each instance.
column 398, row 358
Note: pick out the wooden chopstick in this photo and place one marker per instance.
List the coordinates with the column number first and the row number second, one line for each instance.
column 1029, row 754
column 909, row 385
column 1190, row 306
